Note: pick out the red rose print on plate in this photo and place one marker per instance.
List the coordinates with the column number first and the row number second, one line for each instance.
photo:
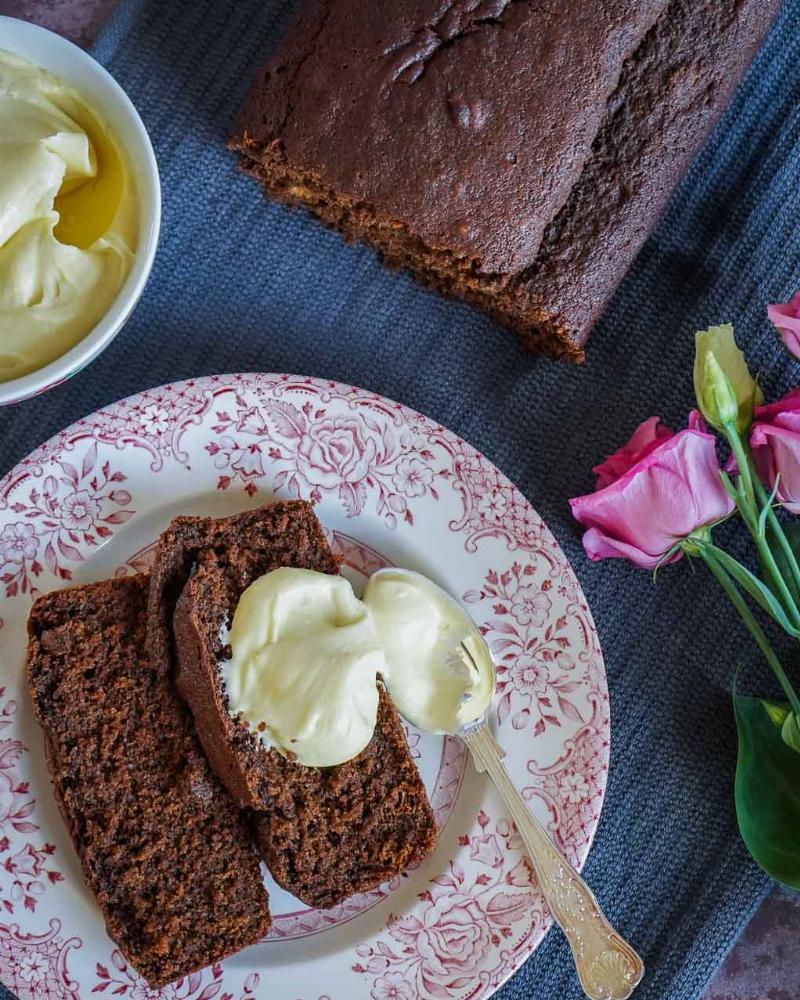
column 466, row 927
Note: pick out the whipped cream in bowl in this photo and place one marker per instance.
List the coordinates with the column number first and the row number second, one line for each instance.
column 80, row 209
column 307, row 656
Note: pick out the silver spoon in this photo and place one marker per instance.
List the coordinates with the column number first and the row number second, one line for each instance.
column 608, row 967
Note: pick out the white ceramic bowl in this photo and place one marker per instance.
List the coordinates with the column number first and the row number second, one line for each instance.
column 104, row 96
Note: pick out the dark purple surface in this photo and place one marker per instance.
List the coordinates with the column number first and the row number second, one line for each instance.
column 765, row 962
column 79, row 20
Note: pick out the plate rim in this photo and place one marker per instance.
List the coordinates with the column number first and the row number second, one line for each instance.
column 83, row 427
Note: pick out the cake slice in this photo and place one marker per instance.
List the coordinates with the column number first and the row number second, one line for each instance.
column 514, row 154
column 161, row 844
column 324, row 833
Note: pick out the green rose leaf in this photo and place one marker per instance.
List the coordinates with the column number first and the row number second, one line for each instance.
column 792, row 531
column 768, row 787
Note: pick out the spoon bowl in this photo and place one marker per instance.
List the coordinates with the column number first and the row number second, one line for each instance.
column 459, row 694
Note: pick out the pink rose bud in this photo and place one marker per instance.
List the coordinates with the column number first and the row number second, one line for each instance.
column 775, row 443
column 671, row 491
column 786, row 317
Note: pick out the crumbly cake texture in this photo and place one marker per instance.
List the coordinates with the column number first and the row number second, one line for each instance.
column 346, row 829
column 324, row 833
column 161, row 843
column 514, row 154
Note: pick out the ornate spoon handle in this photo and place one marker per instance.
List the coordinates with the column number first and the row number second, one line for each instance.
column 608, row 968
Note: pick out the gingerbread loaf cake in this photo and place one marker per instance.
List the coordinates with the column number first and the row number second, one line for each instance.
column 161, row 844
column 514, row 154
column 324, row 833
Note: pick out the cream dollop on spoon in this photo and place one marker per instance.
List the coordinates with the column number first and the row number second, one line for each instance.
column 439, row 671
column 455, row 698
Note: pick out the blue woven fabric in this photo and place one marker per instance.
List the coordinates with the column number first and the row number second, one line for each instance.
column 244, row 285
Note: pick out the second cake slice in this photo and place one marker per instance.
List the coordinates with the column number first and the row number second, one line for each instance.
column 325, row 833
column 160, row 843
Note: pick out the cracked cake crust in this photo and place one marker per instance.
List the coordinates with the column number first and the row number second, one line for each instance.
column 481, row 172
column 516, row 154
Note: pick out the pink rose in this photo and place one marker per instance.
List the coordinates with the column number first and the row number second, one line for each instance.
column 453, row 938
column 786, row 317
column 775, row 443
column 645, row 438
column 333, row 452
column 669, row 493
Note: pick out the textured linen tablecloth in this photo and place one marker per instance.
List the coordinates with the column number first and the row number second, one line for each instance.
column 244, row 285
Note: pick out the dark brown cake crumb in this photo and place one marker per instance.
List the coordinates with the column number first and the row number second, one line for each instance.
column 341, row 830
column 161, row 844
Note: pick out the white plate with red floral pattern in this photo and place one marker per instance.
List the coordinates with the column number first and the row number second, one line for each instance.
column 392, row 487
